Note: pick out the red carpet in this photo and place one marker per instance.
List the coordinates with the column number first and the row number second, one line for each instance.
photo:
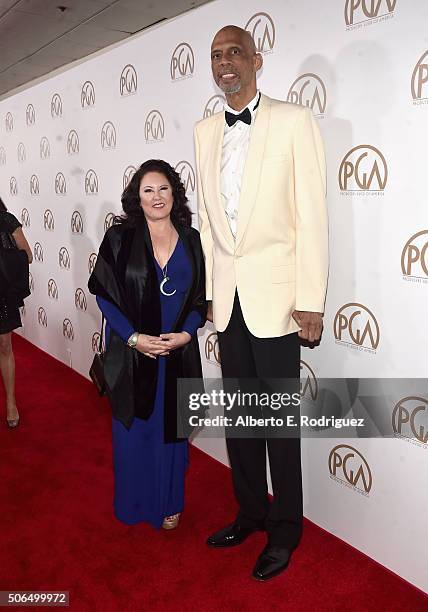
column 58, row 530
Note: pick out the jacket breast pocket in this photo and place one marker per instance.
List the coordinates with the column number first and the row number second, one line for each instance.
column 283, row 274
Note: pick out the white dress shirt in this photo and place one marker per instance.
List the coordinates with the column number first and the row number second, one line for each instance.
column 236, row 140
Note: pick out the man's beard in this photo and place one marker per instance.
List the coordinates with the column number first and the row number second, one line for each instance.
column 231, row 89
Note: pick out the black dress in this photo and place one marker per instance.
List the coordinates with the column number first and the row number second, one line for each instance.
column 10, row 317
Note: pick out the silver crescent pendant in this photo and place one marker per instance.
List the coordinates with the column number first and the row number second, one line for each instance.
column 165, row 280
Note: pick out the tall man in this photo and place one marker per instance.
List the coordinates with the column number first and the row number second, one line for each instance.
column 263, row 224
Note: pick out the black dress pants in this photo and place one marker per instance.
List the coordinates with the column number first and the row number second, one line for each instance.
column 246, row 356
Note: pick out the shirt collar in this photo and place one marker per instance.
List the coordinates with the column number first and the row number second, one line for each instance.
column 250, row 107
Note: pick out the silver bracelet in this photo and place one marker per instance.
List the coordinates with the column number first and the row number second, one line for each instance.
column 133, row 339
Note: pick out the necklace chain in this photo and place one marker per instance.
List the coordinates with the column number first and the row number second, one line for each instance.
column 165, row 268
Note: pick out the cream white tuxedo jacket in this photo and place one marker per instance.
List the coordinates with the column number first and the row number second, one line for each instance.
column 279, row 260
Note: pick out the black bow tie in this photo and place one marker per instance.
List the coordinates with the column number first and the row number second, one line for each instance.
column 245, row 117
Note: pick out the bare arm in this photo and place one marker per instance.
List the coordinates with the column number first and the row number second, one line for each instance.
column 21, row 243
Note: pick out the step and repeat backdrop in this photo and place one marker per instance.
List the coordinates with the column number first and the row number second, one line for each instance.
column 69, row 145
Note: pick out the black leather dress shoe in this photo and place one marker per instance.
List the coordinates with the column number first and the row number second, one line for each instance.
column 272, row 561
column 232, row 535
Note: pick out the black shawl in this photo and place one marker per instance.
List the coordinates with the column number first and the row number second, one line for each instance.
column 125, row 274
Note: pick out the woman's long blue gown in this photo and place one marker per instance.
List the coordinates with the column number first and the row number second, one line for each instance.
column 149, row 473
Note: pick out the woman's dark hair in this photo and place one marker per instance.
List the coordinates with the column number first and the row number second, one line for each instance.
column 180, row 213
column 2, row 206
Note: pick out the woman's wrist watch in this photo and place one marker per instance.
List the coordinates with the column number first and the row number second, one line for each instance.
column 133, row 339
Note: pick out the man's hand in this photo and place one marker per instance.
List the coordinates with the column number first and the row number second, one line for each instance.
column 311, row 324
column 210, row 312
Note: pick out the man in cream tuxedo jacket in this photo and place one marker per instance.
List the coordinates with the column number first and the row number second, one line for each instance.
column 263, row 223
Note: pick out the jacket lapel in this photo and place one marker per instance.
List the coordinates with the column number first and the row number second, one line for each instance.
column 216, row 148
column 252, row 168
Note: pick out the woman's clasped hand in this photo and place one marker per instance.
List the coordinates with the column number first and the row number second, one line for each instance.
column 152, row 346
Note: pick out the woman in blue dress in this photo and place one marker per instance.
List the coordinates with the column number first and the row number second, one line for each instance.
column 150, row 285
